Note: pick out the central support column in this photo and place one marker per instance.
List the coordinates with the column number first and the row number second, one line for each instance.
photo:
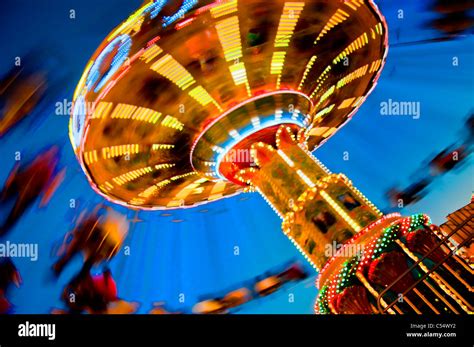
column 320, row 210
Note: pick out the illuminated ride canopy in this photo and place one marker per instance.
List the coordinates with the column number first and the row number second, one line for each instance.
column 175, row 87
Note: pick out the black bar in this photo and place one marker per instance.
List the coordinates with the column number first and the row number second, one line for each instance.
column 170, row 330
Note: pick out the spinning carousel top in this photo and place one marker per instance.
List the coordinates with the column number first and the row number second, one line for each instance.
column 178, row 85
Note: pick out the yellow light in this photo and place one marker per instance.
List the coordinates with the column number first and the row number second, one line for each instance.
column 178, row 177
column 239, row 74
column 375, row 65
column 131, row 112
column 322, row 131
column 224, row 8
column 123, row 111
column 90, row 157
column 202, row 96
column 172, row 122
column 278, row 60
column 360, row 72
column 358, row 101
column 288, row 20
column 337, row 18
column 379, row 29
column 354, row 4
column 286, row 158
column 229, row 36
column 115, row 151
column 321, row 79
column 102, row 110
column 307, row 70
column 305, row 178
column 132, row 21
column 358, row 43
column 157, row 146
column 163, row 166
column 323, row 112
column 151, row 53
column 326, row 95
column 169, row 68
column 133, row 175
column 356, row 227
column 146, row 115
column 346, row 103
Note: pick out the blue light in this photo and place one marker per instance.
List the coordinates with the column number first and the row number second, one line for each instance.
column 185, row 7
column 124, row 43
column 156, row 8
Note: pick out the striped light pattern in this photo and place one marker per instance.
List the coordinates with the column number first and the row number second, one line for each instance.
column 151, row 53
column 326, row 95
column 106, row 186
column 379, row 28
column 224, row 8
column 102, row 110
column 337, row 18
column 169, row 68
column 172, row 122
column 324, row 112
column 131, row 112
column 375, row 65
column 229, row 35
column 152, row 190
column 278, row 60
column 123, row 111
column 202, row 96
column 360, row 72
column 117, row 151
column 354, row 4
column 358, row 43
column 90, row 157
column 159, row 146
column 239, row 74
column 133, row 175
column 286, row 27
column 121, row 150
column 289, row 18
column 308, row 68
column 321, row 79
column 131, row 21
